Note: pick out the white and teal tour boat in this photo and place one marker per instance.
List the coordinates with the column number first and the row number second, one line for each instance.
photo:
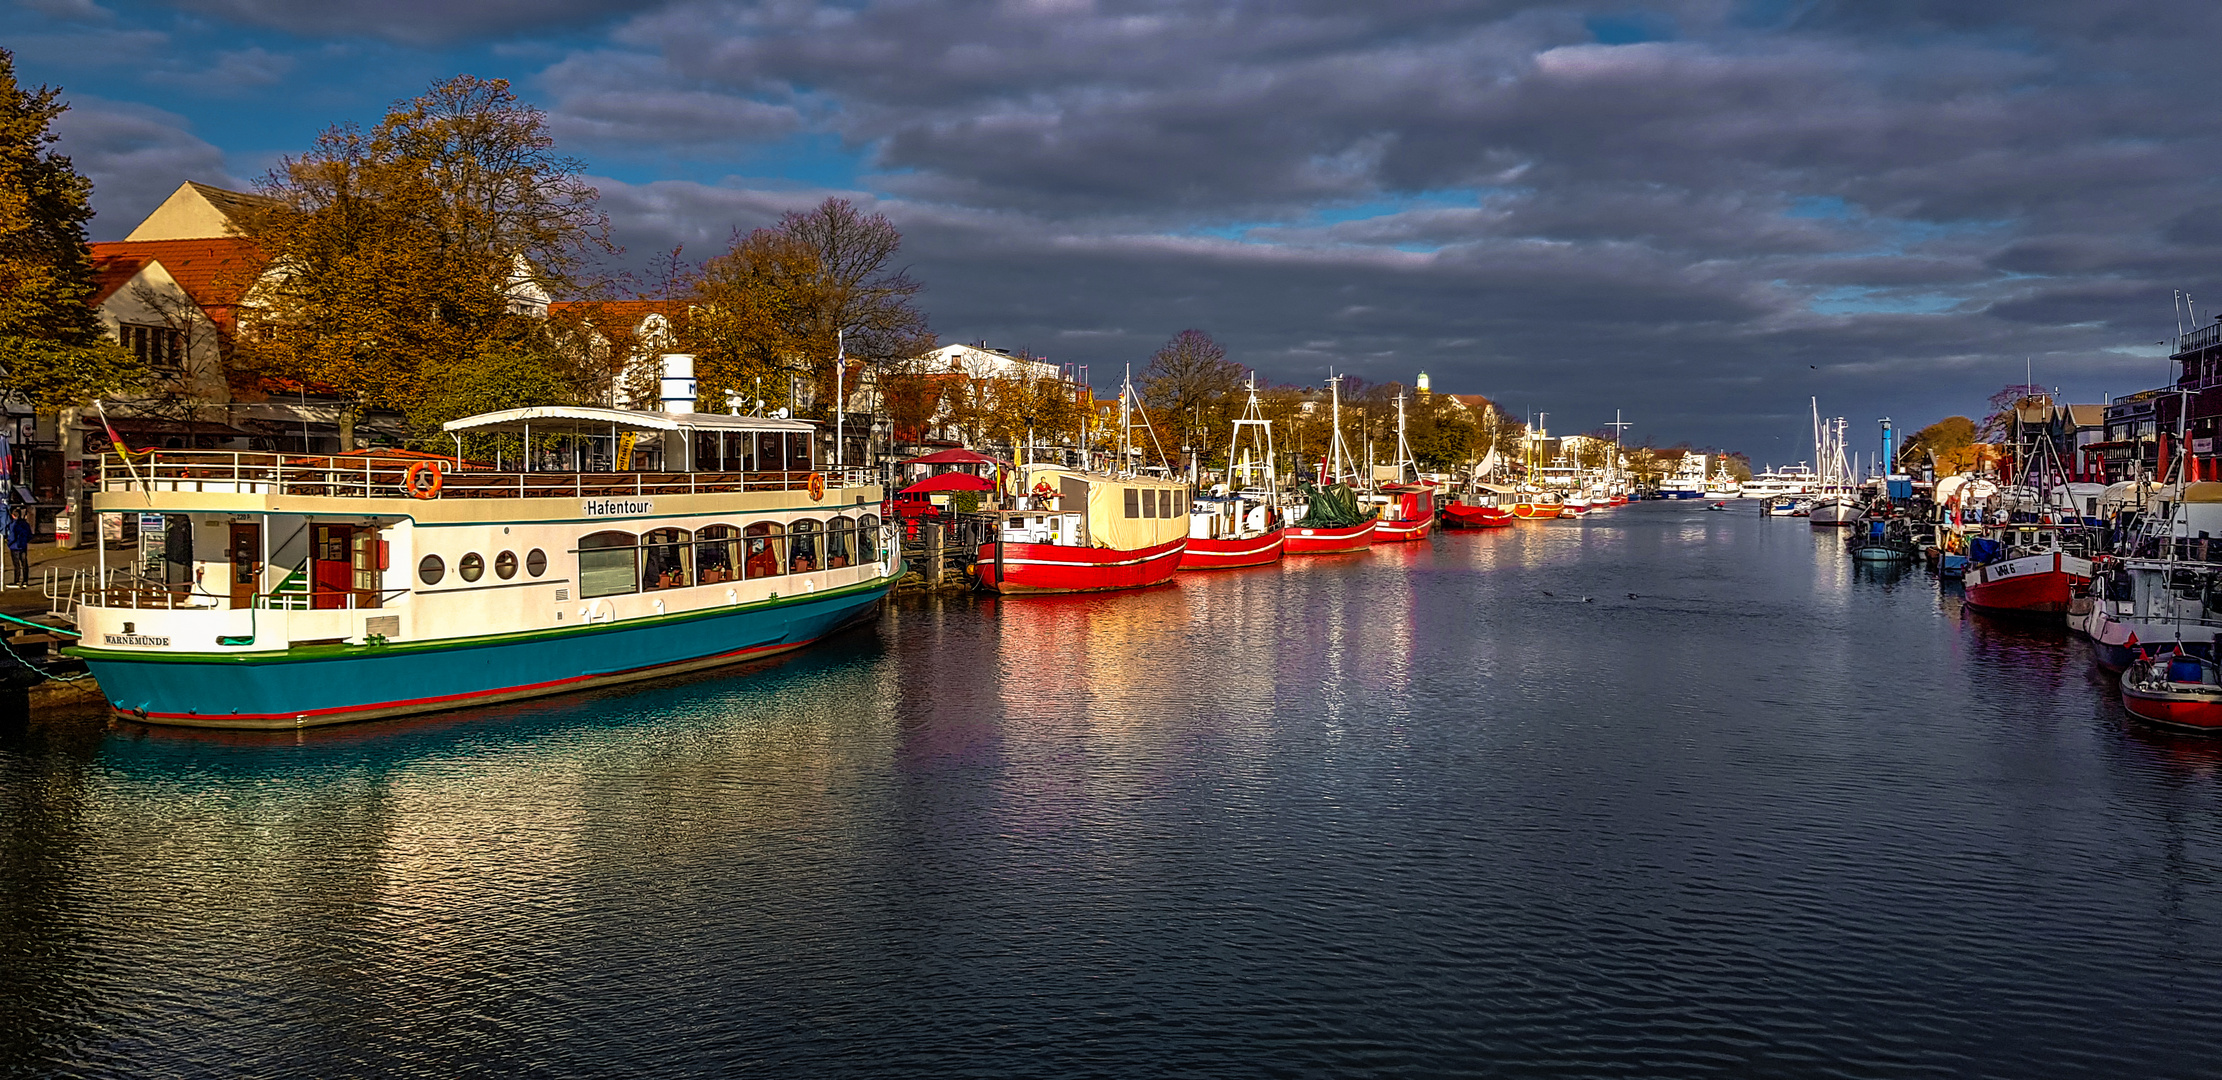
column 292, row 590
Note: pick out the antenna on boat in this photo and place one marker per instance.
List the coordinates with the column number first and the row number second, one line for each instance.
column 1239, row 468
column 1339, row 462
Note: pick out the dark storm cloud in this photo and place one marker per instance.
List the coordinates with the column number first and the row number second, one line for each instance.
column 136, row 156
column 1703, row 207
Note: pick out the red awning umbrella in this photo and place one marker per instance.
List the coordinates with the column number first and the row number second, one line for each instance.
column 955, row 455
column 948, row 481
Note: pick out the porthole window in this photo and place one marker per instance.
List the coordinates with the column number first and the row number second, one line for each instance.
column 431, row 570
column 505, row 565
column 472, row 567
column 536, row 563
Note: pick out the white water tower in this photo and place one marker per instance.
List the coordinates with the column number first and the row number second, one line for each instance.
column 678, row 383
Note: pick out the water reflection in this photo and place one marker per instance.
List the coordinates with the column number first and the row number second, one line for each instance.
column 1636, row 794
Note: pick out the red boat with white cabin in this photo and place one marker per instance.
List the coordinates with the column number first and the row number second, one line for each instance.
column 2033, row 574
column 1238, row 524
column 1087, row 532
column 1484, row 512
column 2175, row 689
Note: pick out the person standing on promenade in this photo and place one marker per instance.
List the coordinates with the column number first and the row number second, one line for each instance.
column 19, row 548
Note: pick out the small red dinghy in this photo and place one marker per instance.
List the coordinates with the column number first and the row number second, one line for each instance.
column 2176, row 689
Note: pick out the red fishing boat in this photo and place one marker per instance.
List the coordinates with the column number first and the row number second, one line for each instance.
column 2177, row 689
column 2029, row 575
column 1409, row 515
column 1462, row 516
column 1087, row 532
column 1536, row 509
column 1238, row 525
column 1332, row 540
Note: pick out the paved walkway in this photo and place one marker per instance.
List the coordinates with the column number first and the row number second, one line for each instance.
column 29, row 601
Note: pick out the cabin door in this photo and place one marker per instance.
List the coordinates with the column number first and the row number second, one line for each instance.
column 331, row 565
column 245, row 553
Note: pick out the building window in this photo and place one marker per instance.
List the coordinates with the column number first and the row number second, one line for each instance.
column 159, row 347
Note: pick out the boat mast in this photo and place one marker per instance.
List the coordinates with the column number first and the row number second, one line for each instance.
column 1339, row 463
column 1239, row 469
column 1403, row 448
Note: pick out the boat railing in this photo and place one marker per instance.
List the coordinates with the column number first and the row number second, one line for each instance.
column 2199, row 339
column 256, row 473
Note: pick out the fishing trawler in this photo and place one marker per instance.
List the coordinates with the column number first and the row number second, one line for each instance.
column 1239, row 524
column 1405, row 508
column 623, row 545
column 1090, row 531
column 1332, row 522
column 1096, row 533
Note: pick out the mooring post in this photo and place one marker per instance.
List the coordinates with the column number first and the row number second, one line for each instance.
column 933, row 553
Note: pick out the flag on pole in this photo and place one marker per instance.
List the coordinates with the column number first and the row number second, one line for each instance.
column 124, row 452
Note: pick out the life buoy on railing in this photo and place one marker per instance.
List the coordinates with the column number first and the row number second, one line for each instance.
column 817, row 486
column 414, row 481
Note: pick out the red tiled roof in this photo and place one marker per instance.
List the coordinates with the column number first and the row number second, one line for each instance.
column 215, row 272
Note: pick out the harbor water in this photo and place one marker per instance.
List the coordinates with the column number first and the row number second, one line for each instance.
column 1661, row 792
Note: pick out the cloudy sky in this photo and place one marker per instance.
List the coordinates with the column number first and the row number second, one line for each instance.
column 1700, row 213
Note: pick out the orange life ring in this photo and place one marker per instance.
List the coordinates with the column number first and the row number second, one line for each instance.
column 410, row 481
column 817, row 486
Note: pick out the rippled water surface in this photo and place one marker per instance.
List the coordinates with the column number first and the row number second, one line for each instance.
column 1662, row 792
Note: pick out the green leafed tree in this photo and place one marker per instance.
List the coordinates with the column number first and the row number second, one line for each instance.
column 52, row 350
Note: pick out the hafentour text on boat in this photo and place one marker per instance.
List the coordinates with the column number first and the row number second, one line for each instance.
column 319, row 588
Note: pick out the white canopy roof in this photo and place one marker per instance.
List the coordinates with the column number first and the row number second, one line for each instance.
column 554, row 419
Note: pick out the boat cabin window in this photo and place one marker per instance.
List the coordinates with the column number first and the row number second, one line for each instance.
column 840, row 539
column 536, row 563
column 663, row 559
column 765, row 551
column 472, row 567
column 771, row 453
column 804, row 536
column 1133, row 503
column 505, row 565
column 716, row 554
column 607, row 565
column 868, row 538
column 431, row 569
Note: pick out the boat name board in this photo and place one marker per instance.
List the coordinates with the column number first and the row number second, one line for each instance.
column 618, row 507
column 135, row 639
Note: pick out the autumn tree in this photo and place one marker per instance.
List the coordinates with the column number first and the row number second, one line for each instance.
column 2000, row 423
column 52, row 349
column 1950, row 442
column 1191, row 388
column 403, row 254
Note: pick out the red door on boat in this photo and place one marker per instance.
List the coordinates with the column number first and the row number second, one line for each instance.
column 1231, row 554
column 1336, row 541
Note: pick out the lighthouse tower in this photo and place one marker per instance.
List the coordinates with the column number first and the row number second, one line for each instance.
column 1422, row 384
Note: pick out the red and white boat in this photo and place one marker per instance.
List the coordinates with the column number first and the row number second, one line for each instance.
column 1238, row 524
column 1573, row 508
column 1542, row 507
column 1087, row 532
column 2035, row 576
column 1486, row 511
column 1336, row 540
column 1408, row 516
column 2176, row 689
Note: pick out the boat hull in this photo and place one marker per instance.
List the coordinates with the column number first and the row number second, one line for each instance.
column 2192, row 706
column 1401, row 532
column 2038, row 585
column 1206, row 554
column 1459, row 516
column 1015, row 569
column 1348, row 538
column 1535, row 510
column 339, row 684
